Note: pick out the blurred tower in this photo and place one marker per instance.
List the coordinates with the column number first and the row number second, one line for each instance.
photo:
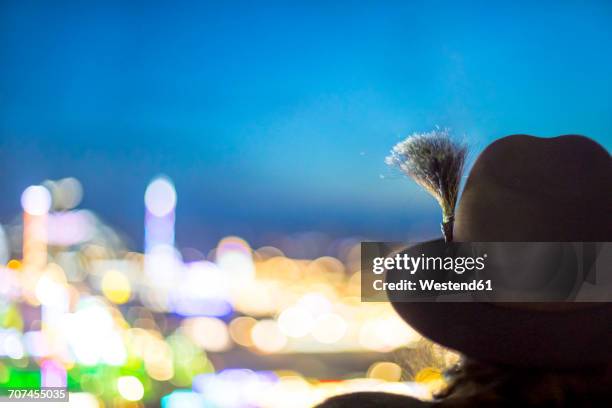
column 36, row 203
column 47, row 287
column 160, row 203
column 162, row 261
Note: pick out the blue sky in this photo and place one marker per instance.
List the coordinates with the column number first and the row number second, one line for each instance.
column 275, row 118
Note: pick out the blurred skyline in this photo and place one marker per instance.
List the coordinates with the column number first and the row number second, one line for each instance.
column 273, row 118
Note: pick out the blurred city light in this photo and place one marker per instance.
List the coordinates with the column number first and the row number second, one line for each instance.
column 160, row 197
column 36, row 200
column 80, row 309
column 130, row 388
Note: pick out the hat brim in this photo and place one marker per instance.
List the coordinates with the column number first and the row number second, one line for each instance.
column 517, row 336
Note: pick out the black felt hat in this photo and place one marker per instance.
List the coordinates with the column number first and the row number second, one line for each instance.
column 528, row 189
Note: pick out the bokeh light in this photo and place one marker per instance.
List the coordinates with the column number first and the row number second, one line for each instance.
column 160, row 197
column 36, row 200
column 240, row 330
column 209, row 333
column 295, row 321
column 329, row 328
column 385, row 370
column 130, row 388
column 268, row 337
column 116, row 286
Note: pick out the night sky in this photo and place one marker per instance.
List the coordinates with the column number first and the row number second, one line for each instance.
column 276, row 118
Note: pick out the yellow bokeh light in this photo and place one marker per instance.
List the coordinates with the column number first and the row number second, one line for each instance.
column 428, row 374
column 432, row 378
column 386, row 371
column 208, row 332
column 116, row 287
column 160, row 368
column 14, row 264
column 240, row 330
column 267, row 336
column 279, row 267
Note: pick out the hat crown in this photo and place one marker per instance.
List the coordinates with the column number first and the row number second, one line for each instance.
column 526, row 188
